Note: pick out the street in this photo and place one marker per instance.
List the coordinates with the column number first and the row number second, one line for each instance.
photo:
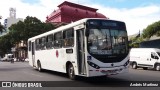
column 21, row 71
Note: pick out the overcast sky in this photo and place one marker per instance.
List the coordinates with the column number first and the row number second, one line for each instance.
column 137, row 14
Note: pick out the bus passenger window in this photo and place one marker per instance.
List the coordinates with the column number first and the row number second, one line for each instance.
column 58, row 40
column 29, row 49
column 43, row 43
column 38, row 44
column 68, row 38
column 49, row 41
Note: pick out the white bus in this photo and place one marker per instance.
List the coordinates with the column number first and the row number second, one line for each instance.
column 88, row 47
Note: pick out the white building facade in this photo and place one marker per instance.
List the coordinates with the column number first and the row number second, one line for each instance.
column 10, row 20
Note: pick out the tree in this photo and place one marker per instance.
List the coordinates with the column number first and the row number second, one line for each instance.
column 27, row 29
column 16, row 31
column 5, row 44
column 153, row 29
column 22, row 31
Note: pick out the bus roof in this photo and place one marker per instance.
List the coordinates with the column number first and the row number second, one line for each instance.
column 66, row 27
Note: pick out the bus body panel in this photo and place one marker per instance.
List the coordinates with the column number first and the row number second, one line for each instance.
column 107, row 68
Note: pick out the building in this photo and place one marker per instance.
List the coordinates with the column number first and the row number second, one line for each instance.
column 152, row 42
column 20, row 51
column 10, row 20
column 69, row 12
column 20, row 48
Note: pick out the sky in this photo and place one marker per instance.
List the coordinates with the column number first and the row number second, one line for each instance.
column 137, row 14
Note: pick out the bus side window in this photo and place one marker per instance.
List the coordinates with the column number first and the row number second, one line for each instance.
column 29, row 46
column 43, row 43
column 38, row 44
column 49, row 41
column 68, row 38
column 58, row 40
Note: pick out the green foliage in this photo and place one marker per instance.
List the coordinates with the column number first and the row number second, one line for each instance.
column 23, row 30
column 27, row 29
column 1, row 28
column 135, row 41
column 5, row 45
column 153, row 29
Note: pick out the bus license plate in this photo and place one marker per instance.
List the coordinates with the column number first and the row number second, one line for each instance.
column 111, row 71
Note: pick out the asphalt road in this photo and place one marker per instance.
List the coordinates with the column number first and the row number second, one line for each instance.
column 21, row 71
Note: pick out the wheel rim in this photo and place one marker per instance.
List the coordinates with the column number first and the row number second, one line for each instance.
column 157, row 67
column 71, row 71
column 39, row 67
column 134, row 65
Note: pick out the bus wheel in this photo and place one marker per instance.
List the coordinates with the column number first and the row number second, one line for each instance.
column 39, row 66
column 71, row 73
column 157, row 67
column 134, row 65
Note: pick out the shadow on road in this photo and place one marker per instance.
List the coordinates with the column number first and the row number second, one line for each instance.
column 89, row 81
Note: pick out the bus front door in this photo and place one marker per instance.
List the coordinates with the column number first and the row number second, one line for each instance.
column 33, row 54
column 81, row 52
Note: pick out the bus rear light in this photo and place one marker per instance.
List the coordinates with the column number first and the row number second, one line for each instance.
column 93, row 65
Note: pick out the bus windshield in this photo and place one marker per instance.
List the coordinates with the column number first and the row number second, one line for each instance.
column 107, row 40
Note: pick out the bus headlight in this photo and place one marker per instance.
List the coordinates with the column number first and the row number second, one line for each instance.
column 93, row 65
column 126, row 63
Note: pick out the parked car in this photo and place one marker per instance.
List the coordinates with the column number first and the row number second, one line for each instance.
column 145, row 58
column 7, row 57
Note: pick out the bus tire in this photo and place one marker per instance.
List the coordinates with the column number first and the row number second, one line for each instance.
column 134, row 65
column 157, row 67
column 71, row 73
column 39, row 66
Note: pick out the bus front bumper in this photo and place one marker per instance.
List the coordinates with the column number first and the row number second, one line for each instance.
column 108, row 71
